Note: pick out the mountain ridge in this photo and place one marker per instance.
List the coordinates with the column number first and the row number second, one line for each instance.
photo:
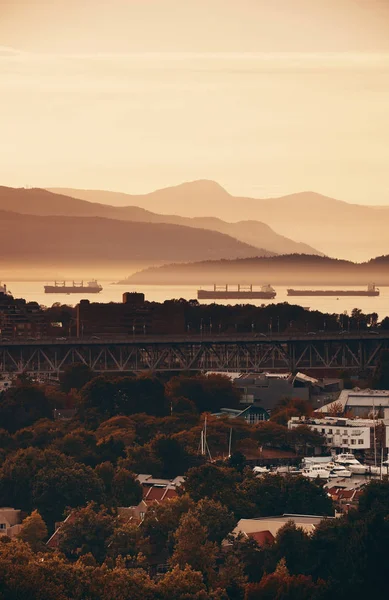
column 335, row 227
column 44, row 202
column 47, row 239
column 293, row 270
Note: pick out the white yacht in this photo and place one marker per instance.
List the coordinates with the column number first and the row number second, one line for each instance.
column 316, row 471
column 338, row 470
column 348, row 460
column 261, row 470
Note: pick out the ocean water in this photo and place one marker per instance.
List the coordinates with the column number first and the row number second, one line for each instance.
column 33, row 291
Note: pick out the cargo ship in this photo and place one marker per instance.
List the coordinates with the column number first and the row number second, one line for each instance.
column 60, row 287
column 243, row 292
column 371, row 290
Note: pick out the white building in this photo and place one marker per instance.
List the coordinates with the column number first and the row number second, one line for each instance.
column 346, row 434
column 361, row 403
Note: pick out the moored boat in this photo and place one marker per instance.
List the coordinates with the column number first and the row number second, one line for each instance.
column 316, row 472
column 348, row 460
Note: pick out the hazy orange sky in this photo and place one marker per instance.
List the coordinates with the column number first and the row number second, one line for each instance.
column 265, row 96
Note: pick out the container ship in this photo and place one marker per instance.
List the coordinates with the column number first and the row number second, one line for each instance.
column 371, row 290
column 243, row 292
column 60, row 287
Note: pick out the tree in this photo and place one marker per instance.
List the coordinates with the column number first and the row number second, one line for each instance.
column 375, row 498
column 208, row 393
column 171, row 455
column 98, row 399
column 193, row 548
column 183, row 405
column 280, row 585
column 162, row 520
column 292, row 544
column 128, row 542
column 22, row 405
column 33, row 531
column 211, row 481
column 75, row 377
column 87, row 531
column 126, row 489
column 81, row 445
column 120, row 428
column 304, row 437
column 237, row 461
column 182, row 584
column 55, row 489
column 232, row 578
column 249, row 554
column 140, row 394
column 216, row 518
column 121, row 583
column 19, row 471
column 275, row 495
column 271, row 434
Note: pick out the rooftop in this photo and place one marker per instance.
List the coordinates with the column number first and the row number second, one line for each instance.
column 273, row 524
column 146, row 479
column 358, row 397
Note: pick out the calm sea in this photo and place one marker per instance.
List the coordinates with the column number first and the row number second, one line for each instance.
column 33, row 290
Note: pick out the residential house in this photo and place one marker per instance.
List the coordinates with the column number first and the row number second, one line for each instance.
column 10, row 521
column 154, row 491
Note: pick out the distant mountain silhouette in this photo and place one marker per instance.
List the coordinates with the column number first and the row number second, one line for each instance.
column 43, row 202
column 94, row 239
column 337, row 228
column 292, row 270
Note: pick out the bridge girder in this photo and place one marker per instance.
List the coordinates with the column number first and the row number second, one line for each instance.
column 215, row 355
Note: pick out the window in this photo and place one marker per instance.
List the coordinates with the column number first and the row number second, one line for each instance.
column 353, row 442
column 345, row 442
column 142, row 515
column 323, row 430
column 338, row 431
column 330, row 431
column 3, row 526
column 329, row 440
column 360, row 441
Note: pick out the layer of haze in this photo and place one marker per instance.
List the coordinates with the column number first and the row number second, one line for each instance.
column 267, row 97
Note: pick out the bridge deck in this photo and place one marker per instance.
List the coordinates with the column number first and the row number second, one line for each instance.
column 244, row 353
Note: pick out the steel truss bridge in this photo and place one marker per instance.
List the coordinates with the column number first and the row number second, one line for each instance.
column 244, row 353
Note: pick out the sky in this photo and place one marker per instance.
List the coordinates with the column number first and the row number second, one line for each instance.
column 267, row 97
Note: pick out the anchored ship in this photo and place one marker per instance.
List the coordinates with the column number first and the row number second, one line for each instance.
column 371, row 290
column 243, row 292
column 60, row 287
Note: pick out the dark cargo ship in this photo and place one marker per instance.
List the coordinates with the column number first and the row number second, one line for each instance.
column 370, row 291
column 60, row 287
column 243, row 292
